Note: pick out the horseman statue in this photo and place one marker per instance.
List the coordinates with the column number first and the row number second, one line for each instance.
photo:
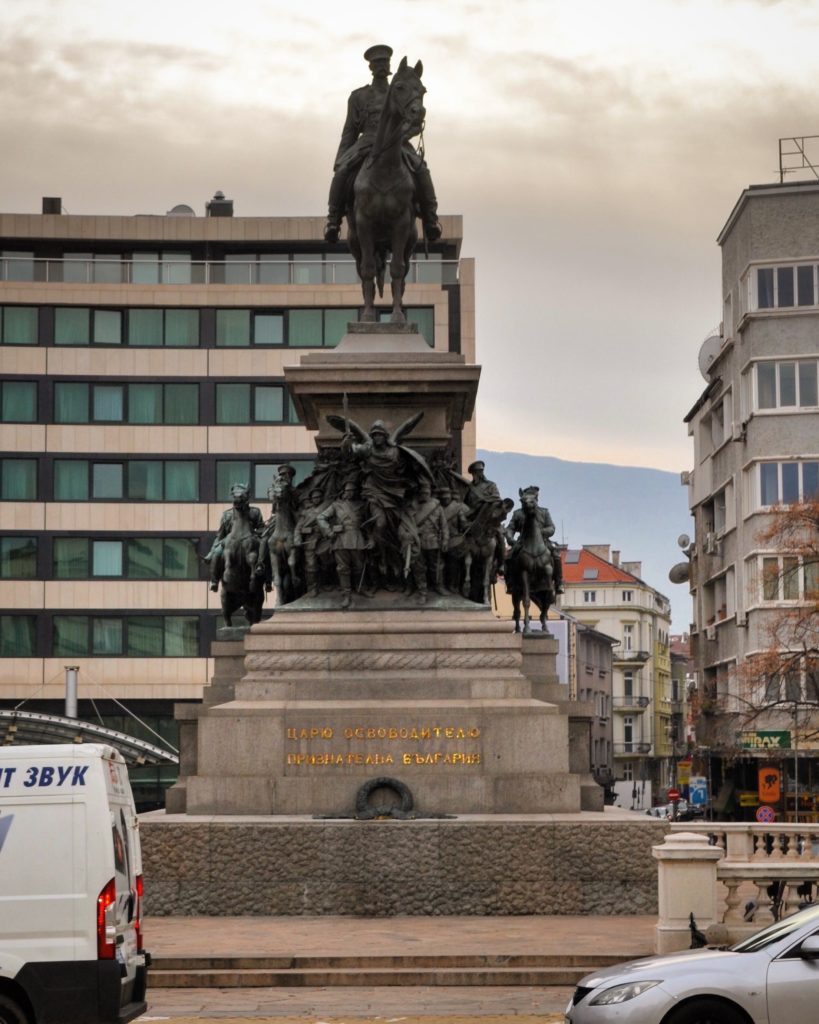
column 532, row 566
column 381, row 184
column 357, row 138
column 234, row 557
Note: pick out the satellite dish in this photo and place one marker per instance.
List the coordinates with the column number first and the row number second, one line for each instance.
column 181, row 210
column 709, row 350
column 680, row 572
column 683, row 540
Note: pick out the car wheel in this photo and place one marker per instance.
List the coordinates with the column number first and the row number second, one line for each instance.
column 11, row 1012
column 705, row 1011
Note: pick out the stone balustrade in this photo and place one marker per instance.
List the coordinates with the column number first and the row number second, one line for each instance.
column 756, row 861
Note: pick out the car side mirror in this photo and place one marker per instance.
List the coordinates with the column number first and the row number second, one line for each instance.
column 809, row 950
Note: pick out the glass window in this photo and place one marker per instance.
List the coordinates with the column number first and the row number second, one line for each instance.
column 20, row 325
column 305, row 328
column 181, row 636
column 145, row 636
column 769, row 483
column 18, row 636
column 72, row 325
column 108, row 269
column 787, row 384
column 77, row 267
column 70, row 402
column 268, row 404
column 784, row 283
column 804, row 282
column 232, row 403
column 71, row 558
column 17, row 266
column 145, row 327
column 145, row 268
column 106, row 480
column 18, row 403
column 108, row 403
column 335, row 324
column 181, row 403
column 764, row 288
column 308, row 268
column 70, row 635
column 766, row 385
column 70, row 480
column 240, row 269
column 810, row 480
column 263, row 476
column 181, row 481
column 106, row 636
column 807, row 383
column 180, row 559
column 790, row 578
column 107, row 557
column 274, row 269
column 107, row 327
column 18, row 558
column 182, row 328
column 268, row 328
column 176, row 268
column 145, row 558
column 425, row 318
column 229, row 473
column 341, row 269
column 233, row 327
column 145, row 480
column 790, row 482
column 145, row 403
column 18, row 479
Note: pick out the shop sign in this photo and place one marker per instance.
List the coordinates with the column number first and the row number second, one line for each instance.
column 770, row 785
column 747, row 799
column 765, row 739
column 683, row 772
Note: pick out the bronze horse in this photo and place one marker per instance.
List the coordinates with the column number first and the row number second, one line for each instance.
column 529, row 568
column 382, row 218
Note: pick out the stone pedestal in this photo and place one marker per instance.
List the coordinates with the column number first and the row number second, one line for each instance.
column 687, row 884
column 432, row 698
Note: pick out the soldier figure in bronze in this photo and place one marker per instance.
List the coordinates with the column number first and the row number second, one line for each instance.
column 530, row 565
column 457, row 519
column 342, row 523
column 485, row 545
column 547, row 528
column 433, row 537
column 308, row 539
column 276, row 561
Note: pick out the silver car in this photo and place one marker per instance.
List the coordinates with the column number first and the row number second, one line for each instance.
column 770, row 978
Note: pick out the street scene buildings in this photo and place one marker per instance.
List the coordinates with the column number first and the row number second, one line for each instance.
column 756, row 465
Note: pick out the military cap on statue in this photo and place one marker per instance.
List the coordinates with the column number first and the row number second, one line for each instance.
column 378, row 52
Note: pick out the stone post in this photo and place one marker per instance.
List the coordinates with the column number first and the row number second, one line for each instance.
column 687, row 883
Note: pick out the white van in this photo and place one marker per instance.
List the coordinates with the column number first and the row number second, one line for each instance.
column 70, row 887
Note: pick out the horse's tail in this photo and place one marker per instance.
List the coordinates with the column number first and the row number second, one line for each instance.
column 380, row 267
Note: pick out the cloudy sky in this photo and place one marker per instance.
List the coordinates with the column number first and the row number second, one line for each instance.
column 594, row 148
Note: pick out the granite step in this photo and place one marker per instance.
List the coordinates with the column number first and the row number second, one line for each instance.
column 327, row 971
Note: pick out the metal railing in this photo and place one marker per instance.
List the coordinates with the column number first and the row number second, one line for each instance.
column 634, row 703
column 101, row 270
column 640, row 747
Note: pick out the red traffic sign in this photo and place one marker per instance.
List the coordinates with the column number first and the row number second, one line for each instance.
column 766, row 814
column 673, row 795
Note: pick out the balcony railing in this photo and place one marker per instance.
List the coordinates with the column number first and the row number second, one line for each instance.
column 229, row 272
column 618, row 654
column 628, row 703
column 636, row 747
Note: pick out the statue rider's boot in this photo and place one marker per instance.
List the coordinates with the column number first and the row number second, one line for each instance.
column 335, row 208
column 214, row 586
column 312, row 584
column 428, row 204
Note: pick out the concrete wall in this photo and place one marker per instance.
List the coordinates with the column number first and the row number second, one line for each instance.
column 504, row 866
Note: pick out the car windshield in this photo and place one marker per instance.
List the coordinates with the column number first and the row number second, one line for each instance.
column 777, row 931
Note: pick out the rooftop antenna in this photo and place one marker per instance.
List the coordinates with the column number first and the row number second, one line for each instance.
column 799, row 153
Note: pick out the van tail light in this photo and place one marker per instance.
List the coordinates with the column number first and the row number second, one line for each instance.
column 106, row 928
column 140, row 888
